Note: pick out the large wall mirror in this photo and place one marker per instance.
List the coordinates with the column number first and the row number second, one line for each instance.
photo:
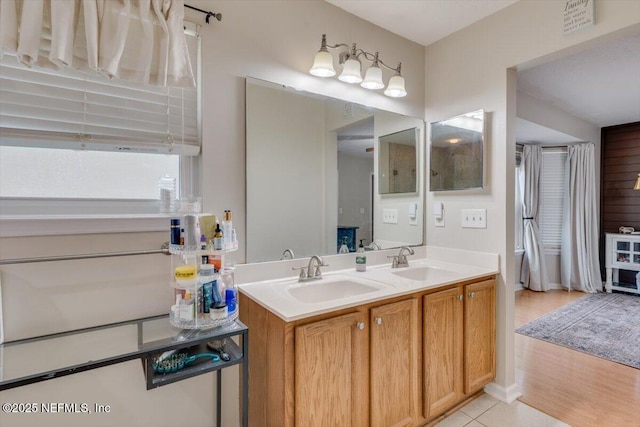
column 312, row 175
column 457, row 150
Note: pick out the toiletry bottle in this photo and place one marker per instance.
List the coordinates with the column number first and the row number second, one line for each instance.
column 203, row 243
column 361, row 258
column 227, row 226
column 191, row 232
column 175, row 231
column 344, row 249
column 208, row 283
column 218, row 240
column 230, row 299
column 186, row 307
column 227, row 283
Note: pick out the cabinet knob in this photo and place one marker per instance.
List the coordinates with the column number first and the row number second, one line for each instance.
column 360, row 325
column 378, row 320
column 460, row 297
column 472, row 294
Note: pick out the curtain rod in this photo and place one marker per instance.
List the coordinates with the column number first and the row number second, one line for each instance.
column 209, row 14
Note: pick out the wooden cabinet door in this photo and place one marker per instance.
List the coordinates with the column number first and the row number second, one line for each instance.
column 443, row 340
column 480, row 335
column 394, row 365
column 331, row 380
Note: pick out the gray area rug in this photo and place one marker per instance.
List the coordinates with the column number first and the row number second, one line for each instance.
column 604, row 325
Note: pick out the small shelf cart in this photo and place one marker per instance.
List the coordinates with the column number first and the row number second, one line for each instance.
column 120, row 343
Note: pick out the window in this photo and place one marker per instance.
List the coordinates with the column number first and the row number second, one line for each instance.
column 551, row 206
column 518, row 213
column 552, row 179
column 77, row 143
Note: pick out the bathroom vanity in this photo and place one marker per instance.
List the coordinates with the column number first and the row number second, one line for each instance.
column 386, row 347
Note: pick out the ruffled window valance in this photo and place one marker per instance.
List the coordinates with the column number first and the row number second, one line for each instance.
column 140, row 41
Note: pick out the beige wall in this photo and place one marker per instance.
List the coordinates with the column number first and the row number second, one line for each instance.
column 276, row 41
column 475, row 68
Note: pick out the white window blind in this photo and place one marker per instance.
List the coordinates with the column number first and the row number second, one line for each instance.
column 70, row 109
column 552, row 179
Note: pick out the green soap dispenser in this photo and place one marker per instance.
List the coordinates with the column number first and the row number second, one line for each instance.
column 361, row 258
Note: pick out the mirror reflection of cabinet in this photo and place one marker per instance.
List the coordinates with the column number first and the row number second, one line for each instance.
column 457, row 152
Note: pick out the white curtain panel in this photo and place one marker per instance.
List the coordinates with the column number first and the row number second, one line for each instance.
column 140, row 41
column 533, row 273
column 580, row 264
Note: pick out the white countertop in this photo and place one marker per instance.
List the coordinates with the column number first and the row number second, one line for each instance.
column 280, row 295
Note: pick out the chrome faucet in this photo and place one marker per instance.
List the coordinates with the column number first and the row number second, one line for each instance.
column 287, row 254
column 313, row 269
column 400, row 260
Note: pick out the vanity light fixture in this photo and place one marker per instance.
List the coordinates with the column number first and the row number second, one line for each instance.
column 351, row 68
column 637, row 186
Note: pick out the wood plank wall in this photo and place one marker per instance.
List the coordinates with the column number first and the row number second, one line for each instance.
column 619, row 202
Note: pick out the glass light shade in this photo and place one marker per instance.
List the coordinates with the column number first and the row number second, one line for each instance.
column 395, row 88
column 637, row 186
column 373, row 78
column 351, row 71
column 323, row 65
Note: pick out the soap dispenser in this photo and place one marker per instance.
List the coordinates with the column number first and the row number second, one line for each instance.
column 361, row 258
column 344, row 249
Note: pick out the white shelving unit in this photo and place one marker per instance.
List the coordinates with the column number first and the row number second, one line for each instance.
column 198, row 317
column 622, row 253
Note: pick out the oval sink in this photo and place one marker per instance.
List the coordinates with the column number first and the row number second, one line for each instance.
column 425, row 274
column 320, row 291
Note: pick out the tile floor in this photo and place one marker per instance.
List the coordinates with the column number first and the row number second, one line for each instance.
column 489, row 412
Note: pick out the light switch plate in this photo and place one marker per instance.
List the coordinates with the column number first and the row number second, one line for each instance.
column 474, row 218
column 390, row 216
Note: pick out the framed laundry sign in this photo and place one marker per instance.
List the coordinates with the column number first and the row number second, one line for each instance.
column 578, row 14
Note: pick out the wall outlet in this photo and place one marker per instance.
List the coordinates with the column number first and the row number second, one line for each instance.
column 390, row 216
column 474, row 218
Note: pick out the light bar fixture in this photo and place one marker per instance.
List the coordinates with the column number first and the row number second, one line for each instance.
column 351, row 68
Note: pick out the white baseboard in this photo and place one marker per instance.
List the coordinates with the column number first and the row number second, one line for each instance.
column 504, row 394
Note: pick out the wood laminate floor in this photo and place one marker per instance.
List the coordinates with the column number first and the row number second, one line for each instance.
column 574, row 387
